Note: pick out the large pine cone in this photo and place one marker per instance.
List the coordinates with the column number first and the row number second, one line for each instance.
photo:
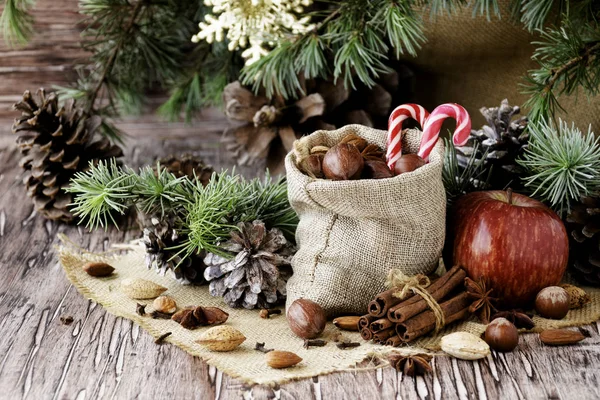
column 56, row 142
column 583, row 223
column 504, row 140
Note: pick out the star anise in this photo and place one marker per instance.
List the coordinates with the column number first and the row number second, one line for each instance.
column 416, row 364
column 483, row 304
column 518, row 317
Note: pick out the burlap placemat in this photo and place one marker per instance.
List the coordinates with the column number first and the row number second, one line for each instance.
column 246, row 363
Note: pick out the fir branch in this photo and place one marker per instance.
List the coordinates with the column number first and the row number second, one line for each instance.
column 100, row 192
column 569, row 59
column 562, row 164
column 534, row 13
column 16, row 23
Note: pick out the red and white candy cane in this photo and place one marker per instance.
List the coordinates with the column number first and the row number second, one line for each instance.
column 433, row 125
column 394, row 140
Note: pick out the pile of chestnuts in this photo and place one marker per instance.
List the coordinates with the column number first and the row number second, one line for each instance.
column 354, row 158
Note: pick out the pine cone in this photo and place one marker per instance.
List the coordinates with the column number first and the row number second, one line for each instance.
column 188, row 165
column 273, row 125
column 159, row 240
column 504, row 140
column 55, row 144
column 583, row 222
column 255, row 276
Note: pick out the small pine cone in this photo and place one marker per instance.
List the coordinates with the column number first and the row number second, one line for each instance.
column 583, row 223
column 256, row 275
column 188, row 165
column 55, row 143
column 505, row 141
column 160, row 237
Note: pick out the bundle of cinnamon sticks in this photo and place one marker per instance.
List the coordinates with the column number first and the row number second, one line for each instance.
column 393, row 321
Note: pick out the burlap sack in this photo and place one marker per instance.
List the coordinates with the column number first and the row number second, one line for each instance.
column 352, row 232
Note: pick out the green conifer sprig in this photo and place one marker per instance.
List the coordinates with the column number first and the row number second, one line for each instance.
column 16, row 23
column 562, row 164
column 204, row 215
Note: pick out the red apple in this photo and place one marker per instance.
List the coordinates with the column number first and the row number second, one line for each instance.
column 515, row 242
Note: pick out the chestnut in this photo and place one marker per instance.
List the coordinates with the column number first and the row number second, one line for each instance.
column 408, row 163
column 502, row 335
column 552, row 302
column 342, row 162
column 311, row 165
column 376, row 169
column 356, row 140
column 306, row 318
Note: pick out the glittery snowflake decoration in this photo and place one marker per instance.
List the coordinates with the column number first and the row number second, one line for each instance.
column 252, row 25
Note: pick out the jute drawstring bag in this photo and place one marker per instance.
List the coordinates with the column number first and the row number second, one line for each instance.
column 351, row 233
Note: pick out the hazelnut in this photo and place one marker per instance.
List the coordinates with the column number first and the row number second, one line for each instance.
column 552, row 302
column 164, row 304
column 502, row 335
column 376, row 169
column 311, row 165
column 306, row 318
column 342, row 162
column 408, row 163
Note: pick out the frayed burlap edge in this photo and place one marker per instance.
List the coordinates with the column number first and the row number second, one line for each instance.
column 245, row 363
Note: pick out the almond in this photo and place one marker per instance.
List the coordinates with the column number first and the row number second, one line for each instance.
column 561, row 337
column 465, row 346
column 349, row 323
column 139, row 289
column 221, row 338
column 282, row 359
column 98, row 269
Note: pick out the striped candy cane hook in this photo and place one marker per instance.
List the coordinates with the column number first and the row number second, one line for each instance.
column 433, row 125
column 394, row 139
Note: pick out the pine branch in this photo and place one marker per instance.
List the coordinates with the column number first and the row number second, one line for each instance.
column 16, row 23
column 569, row 59
column 562, row 164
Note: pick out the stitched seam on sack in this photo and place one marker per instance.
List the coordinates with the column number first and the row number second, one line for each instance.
column 334, row 218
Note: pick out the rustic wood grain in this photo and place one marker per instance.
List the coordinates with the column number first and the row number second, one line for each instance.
column 101, row 356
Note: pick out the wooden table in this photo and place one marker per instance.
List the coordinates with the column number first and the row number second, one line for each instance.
column 101, row 356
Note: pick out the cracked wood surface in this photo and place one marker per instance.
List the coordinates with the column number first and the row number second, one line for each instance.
column 101, row 356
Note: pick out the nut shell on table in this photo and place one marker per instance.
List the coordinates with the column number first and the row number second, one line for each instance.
column 164, row 304
column 141, row 289
column 343, row 162
column 502, row 335
column 348, row 323
column 577, row 296
column 306, row 318
column 552, row 302
column 221, row 338
column 98, row 269
column 465, row 345
column 282, row 359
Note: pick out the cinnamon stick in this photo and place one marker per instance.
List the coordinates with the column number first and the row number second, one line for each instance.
column 384, row 335
column 366, row 333
column 365, row 321
column 394, row 341
column 438, row 290
column 454, row 309
column 380, row 324
column 383, row 302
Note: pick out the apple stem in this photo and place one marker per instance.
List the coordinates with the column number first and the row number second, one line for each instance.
column 509, row 193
